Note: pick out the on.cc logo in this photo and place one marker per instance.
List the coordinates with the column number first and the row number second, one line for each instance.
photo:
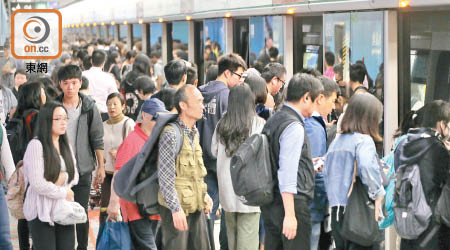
column 36, row 29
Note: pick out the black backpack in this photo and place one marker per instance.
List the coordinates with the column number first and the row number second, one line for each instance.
column 251, row 171
column 19, row 133
column 137, row 180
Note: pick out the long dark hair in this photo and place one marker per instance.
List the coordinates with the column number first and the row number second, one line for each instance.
column 363, row 115
column 111, row 60
column 29, row 97
column 52, row 162
column 235, row 127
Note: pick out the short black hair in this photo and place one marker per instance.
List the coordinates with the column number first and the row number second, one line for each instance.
column 211, row 75
column 191, row 75
column 21, row 72
column 339, row 69
column 258, row 86
column 231, row 62
column 130, row 54
column 174, row 71
column 301, row 84
column 69, row 72
column 310, row 71
column 98, row 57
column 87, row 64
column 357, row 72
column 84, row 83
column 329, row 86
column 167, row 96
column 273, row 52
column 272, row 70
column 436, row 111
column 145, row 84
column 329, row 58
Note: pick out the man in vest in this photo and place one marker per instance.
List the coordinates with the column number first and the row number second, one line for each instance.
column 287, row 219
column 183, row 197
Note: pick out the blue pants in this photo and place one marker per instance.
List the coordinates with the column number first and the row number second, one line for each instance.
column 5, row 237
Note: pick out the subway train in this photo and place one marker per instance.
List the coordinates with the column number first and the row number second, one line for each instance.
column 404, row 44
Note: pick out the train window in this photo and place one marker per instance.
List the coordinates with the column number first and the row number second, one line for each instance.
column 308, row 45
column 155, row 37
column 429, row 57
column 180, row 39
column 102, row 32
column 112, row 31
column 214, row 42
column 123, row 33
column 266, row 41
column 137, row 33
column 240, row 37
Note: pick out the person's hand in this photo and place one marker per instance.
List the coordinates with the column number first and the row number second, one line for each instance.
column 61, row 179
column 69, row 195
column 100, row 175
column 377, row 207
column 209, row 204
column 113, row 153
column 179, row 221
column 447, row 144
column 289, row 227
column 113, row 210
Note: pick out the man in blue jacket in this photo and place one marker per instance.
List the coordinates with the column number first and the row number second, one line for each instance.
column 316, row 129
column 215, row 94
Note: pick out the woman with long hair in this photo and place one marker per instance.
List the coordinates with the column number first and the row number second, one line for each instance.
column 49, row 173
column 355, row 145
column 428, row 146
column 238, row 124
column 31, row 98
column 116, row 129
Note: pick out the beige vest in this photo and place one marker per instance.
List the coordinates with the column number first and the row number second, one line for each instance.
column 190, row 171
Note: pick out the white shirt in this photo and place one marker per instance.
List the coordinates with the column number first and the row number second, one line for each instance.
column 101, row 84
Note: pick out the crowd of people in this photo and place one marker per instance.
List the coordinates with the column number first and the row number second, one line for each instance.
column 95, row 110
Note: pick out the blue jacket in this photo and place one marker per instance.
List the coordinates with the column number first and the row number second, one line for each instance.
column 315, row 128
column 339, row 165
column 215, row 94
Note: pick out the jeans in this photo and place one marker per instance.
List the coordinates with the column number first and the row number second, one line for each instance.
column 142, row 234
column 315, row 235
column 81, row 195
column 5, row 237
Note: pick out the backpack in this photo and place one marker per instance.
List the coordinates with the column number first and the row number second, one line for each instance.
column 16, row 193
column 137, row 180
column 251, row 171
column 412, row 212
column 19, row 133
column 442, row 207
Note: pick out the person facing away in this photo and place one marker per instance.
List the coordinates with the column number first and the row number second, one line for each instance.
column 142, row 230
column 355, row 145
column 428, row 147
column 259, row 89
column 176, row 75
column 239, row 122
column 215, row 94
column 116, row 128
column 101, row 84
column 316, row 129
column 357, row 76
column 7, row 67
column 183, row 197
column 275, row 76
column 49, row 173
column 287, row 221
column 329, row 63
column 85, row 132
column 145, row 87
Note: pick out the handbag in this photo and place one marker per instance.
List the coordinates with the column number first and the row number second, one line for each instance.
column 115, row 236
column 359, row 224
column 69, row 213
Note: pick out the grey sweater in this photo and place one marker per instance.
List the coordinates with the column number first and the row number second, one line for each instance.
column 89, row 135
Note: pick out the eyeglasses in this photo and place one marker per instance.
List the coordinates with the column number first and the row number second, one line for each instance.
column 284, row 83
column 240, row 75
column 61, row 119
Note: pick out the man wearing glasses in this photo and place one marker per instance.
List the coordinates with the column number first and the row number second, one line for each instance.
column 275, row 76
column 215, row 94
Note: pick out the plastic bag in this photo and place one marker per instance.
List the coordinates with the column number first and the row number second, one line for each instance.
column 69, row 213
column 115, row 236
